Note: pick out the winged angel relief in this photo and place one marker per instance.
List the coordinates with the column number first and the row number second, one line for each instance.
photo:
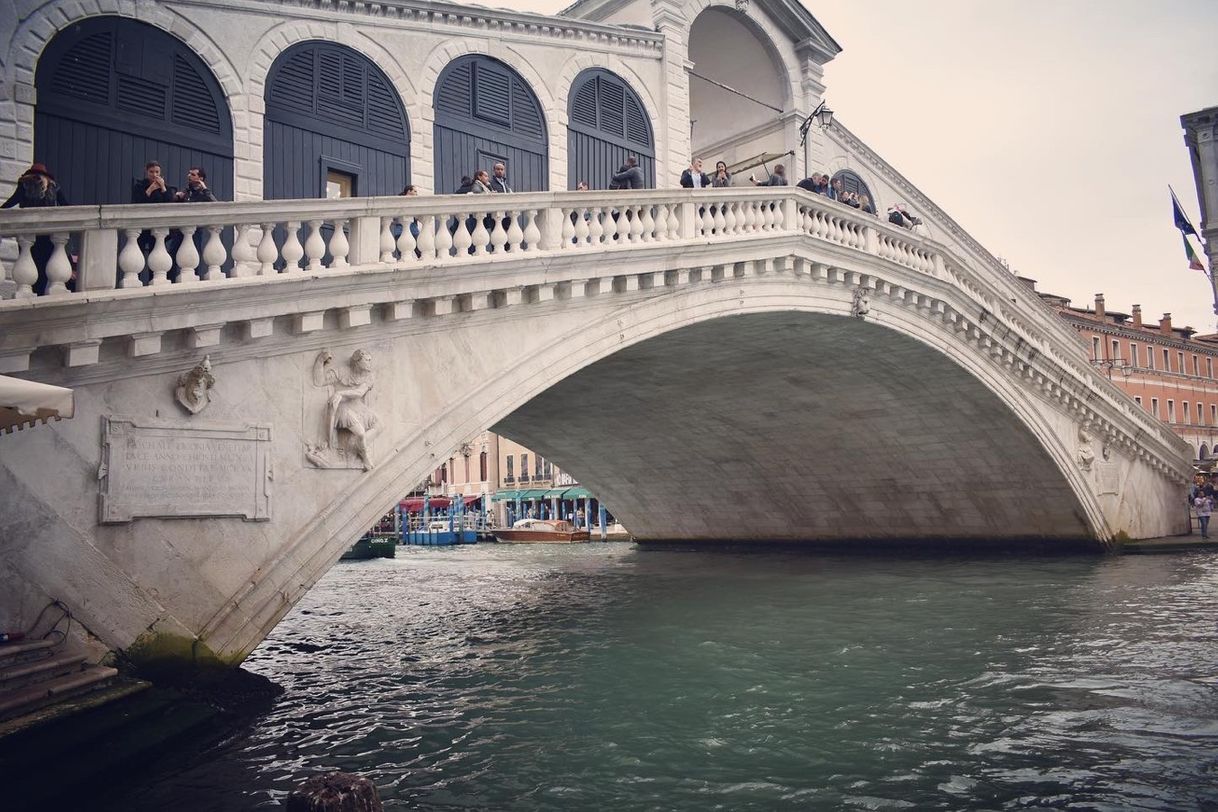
column 349, row 422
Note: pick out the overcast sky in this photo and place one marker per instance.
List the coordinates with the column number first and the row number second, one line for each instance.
column 1047, row 128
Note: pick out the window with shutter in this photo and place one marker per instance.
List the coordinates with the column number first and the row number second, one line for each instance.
column 612, row 106
column 492, row 94
column 85, row 71
column 853, row 183
column 193, row 104
column 583, row 105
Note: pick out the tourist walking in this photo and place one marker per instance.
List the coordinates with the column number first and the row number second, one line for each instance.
column 1204, row 505
column 37, row 188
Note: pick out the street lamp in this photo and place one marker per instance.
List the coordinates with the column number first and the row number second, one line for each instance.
column 822, row 115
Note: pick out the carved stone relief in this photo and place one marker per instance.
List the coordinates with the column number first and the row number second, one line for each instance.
column 348, row 422
column 861, row 304
column 1086, row 454
column 193, row 391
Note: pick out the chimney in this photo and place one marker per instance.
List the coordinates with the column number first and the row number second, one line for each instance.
column 1137, row 317
column 1099, row 306
column 1165, row 324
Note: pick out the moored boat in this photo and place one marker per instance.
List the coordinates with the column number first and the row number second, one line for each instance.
column 541, row 531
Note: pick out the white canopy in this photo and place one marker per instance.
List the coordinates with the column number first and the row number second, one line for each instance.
column 24, row 403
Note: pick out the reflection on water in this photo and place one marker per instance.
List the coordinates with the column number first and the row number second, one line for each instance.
column 605, row 676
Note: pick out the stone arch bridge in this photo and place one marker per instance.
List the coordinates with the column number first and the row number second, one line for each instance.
column 749, row 364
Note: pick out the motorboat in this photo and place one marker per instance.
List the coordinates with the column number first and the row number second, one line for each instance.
column 541, row 531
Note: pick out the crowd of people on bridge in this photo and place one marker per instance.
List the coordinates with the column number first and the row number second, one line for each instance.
column 37, row 187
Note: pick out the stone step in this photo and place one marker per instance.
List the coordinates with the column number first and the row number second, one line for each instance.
column 24, row 651
column 20, row 675
column 31, row 697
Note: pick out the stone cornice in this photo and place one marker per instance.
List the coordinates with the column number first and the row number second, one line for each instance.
column 1141, row 336
column 474, row 19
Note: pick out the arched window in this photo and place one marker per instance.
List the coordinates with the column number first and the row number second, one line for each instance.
column 113, row 94
column 335, row 126
column 1204, row 452
column 606, row 123
column 486, row 113
column 853, row 183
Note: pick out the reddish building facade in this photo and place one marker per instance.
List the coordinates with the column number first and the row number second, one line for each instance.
column 1169, row 370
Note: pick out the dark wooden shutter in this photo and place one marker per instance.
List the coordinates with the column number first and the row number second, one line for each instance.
column 597, row 145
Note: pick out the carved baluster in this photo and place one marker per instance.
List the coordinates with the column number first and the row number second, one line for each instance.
column 339, row 247
column 750, row 220
column 25, row 272
column 707, row 222
column 596, row 229
column 387, row 241
column 674, row 223
column 187, row 257
column 730, row 222
column 720, row 220
column 59, row 268
column 581, row 229
column 406, row 242
column 569, row 232
column 159, row 261
column 780, row 218
column 498, row 237
column 648, row 224
column 767, row 215
column 636, row 225
column 214, row 254
column 444, row 237
column 427, row 237
column 480, row 237
column 515, row 234
column 464, row 238
column 292, row 250
column 315, row 246
column 532, row 234
column 4, row 277
column 268, row 252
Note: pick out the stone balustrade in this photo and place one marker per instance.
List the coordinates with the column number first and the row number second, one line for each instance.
column 209, row 243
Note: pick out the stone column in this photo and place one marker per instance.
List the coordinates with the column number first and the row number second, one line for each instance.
column 1201, row 136
column 674, row 150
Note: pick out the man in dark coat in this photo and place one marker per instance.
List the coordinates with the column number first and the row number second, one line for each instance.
column 694, row 178
column 630, row 176
column 499, row 181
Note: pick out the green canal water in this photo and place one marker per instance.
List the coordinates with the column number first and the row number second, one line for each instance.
column 606, row 676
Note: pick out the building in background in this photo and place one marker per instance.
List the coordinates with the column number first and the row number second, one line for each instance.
column 1168, row 370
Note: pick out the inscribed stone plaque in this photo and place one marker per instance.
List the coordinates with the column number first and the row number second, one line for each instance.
column 1107, row 477
column 168, row 470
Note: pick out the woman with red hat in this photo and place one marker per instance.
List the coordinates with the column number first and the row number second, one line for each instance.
column 37, row 188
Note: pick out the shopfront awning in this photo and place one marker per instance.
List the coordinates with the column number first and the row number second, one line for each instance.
column 535, row 493
column 25, row 403
column 556, row 492
column 504, row 496
column 414, row 504
column 578, row 492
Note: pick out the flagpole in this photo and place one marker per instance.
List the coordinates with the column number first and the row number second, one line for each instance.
column 1178, row 209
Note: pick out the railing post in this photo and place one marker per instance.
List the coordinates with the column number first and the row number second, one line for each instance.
column 871, row 240
column 365, row 241
column 551, row 228
column 97, row 268
column 940, row 269
column 790, row 214
column 687, row 215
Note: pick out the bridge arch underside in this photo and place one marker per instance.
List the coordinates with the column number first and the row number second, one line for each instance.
column 799, row 426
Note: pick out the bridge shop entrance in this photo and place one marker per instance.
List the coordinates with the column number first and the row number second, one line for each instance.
column 487, row 113
column 335, row 126
column 606, row 123
column 115, row 93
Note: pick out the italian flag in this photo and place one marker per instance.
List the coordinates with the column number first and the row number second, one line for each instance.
column 1194, row 261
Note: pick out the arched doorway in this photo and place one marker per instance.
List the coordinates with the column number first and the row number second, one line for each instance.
column 606, row 123
column 738, row 89
column 486, row 113
column 851, row 182
column 115, row 93
column 335, row 126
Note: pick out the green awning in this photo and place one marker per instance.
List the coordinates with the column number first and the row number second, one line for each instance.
column 533, row 494
column 553, row 492
column 577, row 493
column 504, row 496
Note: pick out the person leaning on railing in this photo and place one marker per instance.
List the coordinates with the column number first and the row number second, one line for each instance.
column 722, row 178
column 777, row 178
column 37, row 188
column 630, row 176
